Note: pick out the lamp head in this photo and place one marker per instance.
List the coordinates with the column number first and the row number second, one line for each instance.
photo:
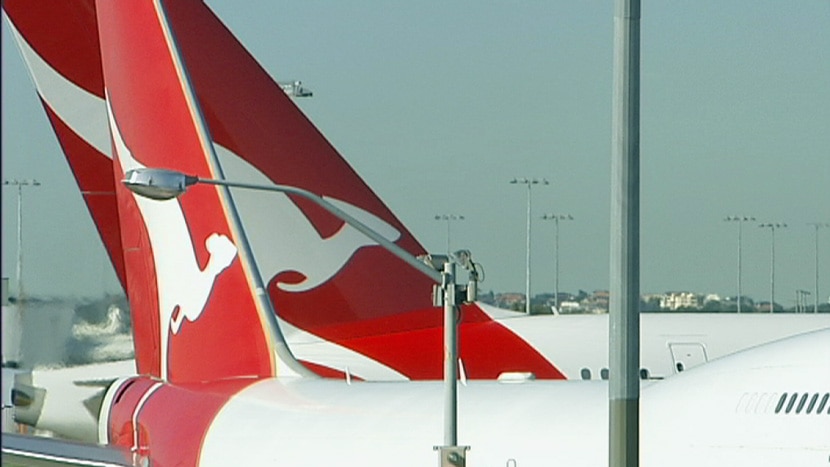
column 158, row 184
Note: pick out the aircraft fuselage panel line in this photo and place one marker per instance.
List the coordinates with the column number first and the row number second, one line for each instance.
column 37, row 451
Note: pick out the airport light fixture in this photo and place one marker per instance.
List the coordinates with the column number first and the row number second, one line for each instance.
column 449, row 218
column 529, row 182
column 20, row 184
column 801, row 300
column 162, row 184
column 740, row 220
column 556, row 218
column 772, row 227
column 817, row 226
column 295, row 89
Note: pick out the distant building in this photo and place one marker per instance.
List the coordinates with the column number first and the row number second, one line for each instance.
column 509, row 300
column 570, row 307
column 676, row 300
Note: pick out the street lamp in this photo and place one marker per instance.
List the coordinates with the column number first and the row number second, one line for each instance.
column 556, row 218
column 817, row 226
column 772, row 227
column 20, row 184
column 740, row 220
column 801, row 300
column 161, row 184
column 529, row 182
column 449, row 218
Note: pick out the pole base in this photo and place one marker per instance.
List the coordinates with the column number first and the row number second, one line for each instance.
column 452, row 456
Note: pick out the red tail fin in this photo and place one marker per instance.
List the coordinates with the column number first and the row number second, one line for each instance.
column 185, row 260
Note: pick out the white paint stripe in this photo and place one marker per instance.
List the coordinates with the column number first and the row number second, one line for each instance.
column 137, row 410
column 63, row 459
column 308, row 347
column 83, row 112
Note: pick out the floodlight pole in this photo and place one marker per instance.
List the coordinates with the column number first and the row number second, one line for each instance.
column 772, row 227
column 739, row 220
column 20, row 184
column 817, row 226
column 556, row 218
column 529, row 182
column 449, row 218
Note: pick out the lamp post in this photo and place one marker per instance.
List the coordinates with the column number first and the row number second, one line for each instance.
column 624, row 276
column 161, row 184
column 449, row 218
column 740, row 220
column 529, row 182
column 801, row 300
column 20, row 184
column 556, row 218
column 817, row 226
column 772, row 227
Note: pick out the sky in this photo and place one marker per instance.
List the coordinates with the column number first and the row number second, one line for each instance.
column 438, row 105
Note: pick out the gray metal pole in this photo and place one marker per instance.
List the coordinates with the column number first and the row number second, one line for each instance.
column 556, row 218
column 772, row 228
column 19, row 269
column 528, row 182
column 817, row 226
column 740, row 220
column 20, row 293
column 624, row 322
column 740, row 225
column 772, row 272
column 449, row 250
column 450, row 356
column 527, row 276
column 815, row 308
column 556, row 266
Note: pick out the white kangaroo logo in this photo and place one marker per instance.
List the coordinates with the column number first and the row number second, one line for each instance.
column 283, row 239
column 222, row 252
column 183, row 287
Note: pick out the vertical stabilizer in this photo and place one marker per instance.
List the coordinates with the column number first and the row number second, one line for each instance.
column 192, row 283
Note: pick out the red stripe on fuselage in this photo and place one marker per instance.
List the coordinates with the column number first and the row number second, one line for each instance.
column 173, row 421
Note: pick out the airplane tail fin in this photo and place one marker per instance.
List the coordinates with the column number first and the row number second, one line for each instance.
column 59, row 43
column 192, row 280
column 320, row 273
column 326, row 281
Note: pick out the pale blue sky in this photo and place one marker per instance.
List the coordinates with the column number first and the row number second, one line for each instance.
column 439, row 104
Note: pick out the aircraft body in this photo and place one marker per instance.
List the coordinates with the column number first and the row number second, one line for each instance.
column 728, row 412
column 218, row 382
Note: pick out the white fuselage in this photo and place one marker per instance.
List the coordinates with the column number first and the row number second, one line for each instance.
column 719, row 414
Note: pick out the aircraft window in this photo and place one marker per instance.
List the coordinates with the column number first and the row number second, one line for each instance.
column 791, row 403
column 822, row 404
column 801, row 403
column 770, row 403
column 781, row 403
column 763, row 401
column 680, row 367
column 603, row 373
column 753, row 401
column 812, row 403
column 741, row 402
column 585, row 373
column 644, row 373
